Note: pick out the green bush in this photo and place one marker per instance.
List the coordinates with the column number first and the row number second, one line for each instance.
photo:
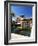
column 26, row 28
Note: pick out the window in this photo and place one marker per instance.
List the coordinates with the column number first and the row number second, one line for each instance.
column 17, row 16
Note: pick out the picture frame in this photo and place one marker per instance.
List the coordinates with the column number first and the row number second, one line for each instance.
column 6, row 21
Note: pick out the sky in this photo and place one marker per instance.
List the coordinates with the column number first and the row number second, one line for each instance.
column 22, row 10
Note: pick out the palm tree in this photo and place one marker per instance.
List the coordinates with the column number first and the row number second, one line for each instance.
column 22, row 16
column 12, row 14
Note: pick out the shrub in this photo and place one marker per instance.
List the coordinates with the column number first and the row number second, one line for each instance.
column 26, row 28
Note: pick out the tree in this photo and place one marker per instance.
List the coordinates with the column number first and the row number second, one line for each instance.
column 12, row 14
column 22, row 16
